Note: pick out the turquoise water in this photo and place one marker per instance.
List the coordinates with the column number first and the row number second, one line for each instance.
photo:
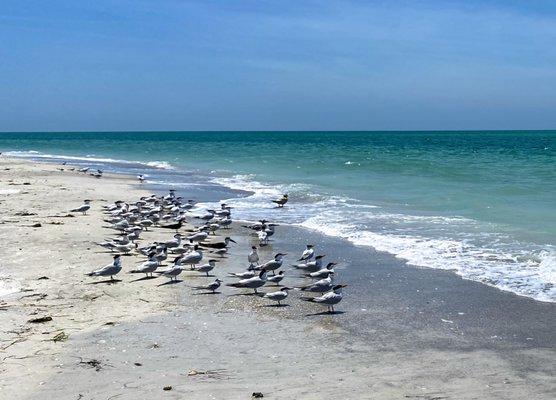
column 480, row 203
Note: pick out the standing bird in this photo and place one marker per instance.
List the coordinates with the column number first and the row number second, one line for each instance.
column 311, row 266
column 308, row 253
column 193, row 257
column 173, row 271
column 110, row 269
column 83, row 208
column 329, row 299
column 220, row 245
column 141, row 178
column 251, row 283
column 253, row 257
column 322, row 273
column 148, row 267
column 276, row 278
column 274, row 264
column 278, row 296
column 211, row 286
column 322, row 286
column 281, row 201
column 206, row 268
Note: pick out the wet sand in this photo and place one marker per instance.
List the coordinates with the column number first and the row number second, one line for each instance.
column 402, row 332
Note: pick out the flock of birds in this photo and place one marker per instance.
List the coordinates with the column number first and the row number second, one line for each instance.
column 191, row 249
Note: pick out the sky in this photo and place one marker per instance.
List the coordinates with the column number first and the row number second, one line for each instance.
column 108, row 65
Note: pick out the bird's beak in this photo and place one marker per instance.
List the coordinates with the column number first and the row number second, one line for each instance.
column 232, row 240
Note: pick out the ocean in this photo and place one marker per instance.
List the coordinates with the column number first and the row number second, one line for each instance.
column 480, row 204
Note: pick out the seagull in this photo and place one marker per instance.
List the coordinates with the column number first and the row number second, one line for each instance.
column 276, row 278
column 251, row 283
column 322, row 286
column 329, row 299
column 253, row 257
column 84, row 170
column 308, row 253
column 281, row 201
column 148, row 266
column 322, row 273
column 206, row 268
column 83, row 208
column 273, row 264
column 174, row 242
column 125, row 248
column 110, row 269
column 173, row 271
column 278, row 296
column 311, row 266
column 199, row 236
column 211, row 286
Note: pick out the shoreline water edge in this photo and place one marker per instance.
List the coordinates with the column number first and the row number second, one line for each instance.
column 400, row 332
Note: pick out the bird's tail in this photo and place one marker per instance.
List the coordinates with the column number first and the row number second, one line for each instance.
column 310, row 299
column 236, row 285
column 90, row 274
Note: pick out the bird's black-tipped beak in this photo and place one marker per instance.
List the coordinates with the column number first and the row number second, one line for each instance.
column 233, row 241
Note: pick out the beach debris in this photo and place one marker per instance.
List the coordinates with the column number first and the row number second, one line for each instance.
column 60, row 337
column 42, row 278
column 446, row 321
column 257, row 395
column 111, row 323
column 24, row 213
column 137, row 364
column 93, row 363
column 36, row 225
column 40, row 320
column 167, row 388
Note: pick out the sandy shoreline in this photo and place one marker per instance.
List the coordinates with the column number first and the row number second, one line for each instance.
column 244, row 346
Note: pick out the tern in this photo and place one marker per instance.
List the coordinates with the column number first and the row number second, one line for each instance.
column 206, row 268
column 253, row 257
column 125, row 248
column 322, row 273
column 278, row 296
column 213, row 286
column 110, row 269
column 193, row 257
column 251, row 283
column 276, row 278
column 322, row 286
column 83, row 208
column 199, row 236
column 173, row 271
column 281, row 201
column 148, row 267
column 329, row 299
column 308, row 253
column 274, row 264
column 311, row 266
column 141, row 178
column 244, row 275
column 84, row 170
column 174, row 242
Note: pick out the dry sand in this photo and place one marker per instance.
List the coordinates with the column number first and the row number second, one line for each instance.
column 129, row 340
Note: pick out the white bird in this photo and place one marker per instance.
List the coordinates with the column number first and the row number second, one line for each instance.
column 307, row 253
column 125, row 248
column 253, row 257
column 85, row 169
column 193, row 257
column 83, row 208
column 110, row 269
column 323, row 272
column 274, row 264
column 243, row 275
column 141, row 178
column 329, row 299
column 173, row 271
column 276, row 278
column 278, row 296
column 211, row 286
column 198, row 237
column 206, row 268
column 251, row 283
column 174, row 242
column 148, row 267
column 322, row 286
column 311, row 266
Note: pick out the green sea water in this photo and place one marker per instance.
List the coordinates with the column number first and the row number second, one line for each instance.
column 480, row 203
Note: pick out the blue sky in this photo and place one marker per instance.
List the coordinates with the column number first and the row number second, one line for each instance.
column 277, row 65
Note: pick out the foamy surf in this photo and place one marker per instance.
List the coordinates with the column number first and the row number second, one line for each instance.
column 522, row 268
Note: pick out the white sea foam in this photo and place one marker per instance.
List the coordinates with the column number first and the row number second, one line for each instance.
column 470, row 249
column 37, row 155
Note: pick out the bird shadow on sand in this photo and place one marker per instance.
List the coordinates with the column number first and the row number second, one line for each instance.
column 202, row 293
column 170, row 282
column 275, row 305
column 145, row 278
column 246, row 294
column 106, row 281
column 326, row 313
